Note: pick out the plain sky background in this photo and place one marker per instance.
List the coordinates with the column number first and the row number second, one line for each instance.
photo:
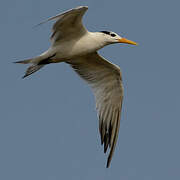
column 48, row 122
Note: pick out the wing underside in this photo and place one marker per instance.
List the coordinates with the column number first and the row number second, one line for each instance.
column 105, row 80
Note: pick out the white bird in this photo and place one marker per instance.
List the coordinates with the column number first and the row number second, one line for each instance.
column 72, row 43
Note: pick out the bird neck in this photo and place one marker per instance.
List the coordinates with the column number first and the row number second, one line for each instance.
column 98, row 39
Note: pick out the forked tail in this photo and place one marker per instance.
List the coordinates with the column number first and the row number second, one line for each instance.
column 37, row 63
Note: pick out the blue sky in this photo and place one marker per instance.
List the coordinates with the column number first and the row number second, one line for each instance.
column 48, row 122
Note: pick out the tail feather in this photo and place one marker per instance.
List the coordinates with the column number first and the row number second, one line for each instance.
column 32, row 69
column 27, row 61
column 37, row 63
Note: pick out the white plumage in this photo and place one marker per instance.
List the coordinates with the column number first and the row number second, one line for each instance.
column 72, row 43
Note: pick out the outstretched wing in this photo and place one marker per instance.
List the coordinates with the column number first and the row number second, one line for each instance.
column 106, row 82
column 68, row 24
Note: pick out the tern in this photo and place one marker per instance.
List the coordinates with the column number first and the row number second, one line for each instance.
column 73, row 44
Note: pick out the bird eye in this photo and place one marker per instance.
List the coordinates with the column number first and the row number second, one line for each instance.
column 113, row 35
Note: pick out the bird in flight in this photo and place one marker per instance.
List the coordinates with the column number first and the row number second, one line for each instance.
column 73, row 44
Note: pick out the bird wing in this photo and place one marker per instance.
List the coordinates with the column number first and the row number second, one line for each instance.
column 68, row 24
column 106, row 82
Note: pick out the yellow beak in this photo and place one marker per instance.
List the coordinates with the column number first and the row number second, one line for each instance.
column 126, row 41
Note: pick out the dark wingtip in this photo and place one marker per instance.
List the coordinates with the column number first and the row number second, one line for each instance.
column 102, row 141
column 107, row 165
column 25, row 76
column 106, row 140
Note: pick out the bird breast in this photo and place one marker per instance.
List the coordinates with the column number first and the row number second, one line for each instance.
column 78, row 46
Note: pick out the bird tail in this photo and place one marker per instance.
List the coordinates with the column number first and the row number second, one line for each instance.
column 27, row 61
column 31, row 69
column 37, row 64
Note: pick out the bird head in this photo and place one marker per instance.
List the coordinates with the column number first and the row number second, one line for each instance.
column 111, row 37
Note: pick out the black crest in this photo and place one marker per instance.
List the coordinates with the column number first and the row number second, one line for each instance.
column 106, row 32
column 109, row 33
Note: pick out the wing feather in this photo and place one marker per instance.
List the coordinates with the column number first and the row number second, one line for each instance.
column 68, row 24
column 106, row 82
